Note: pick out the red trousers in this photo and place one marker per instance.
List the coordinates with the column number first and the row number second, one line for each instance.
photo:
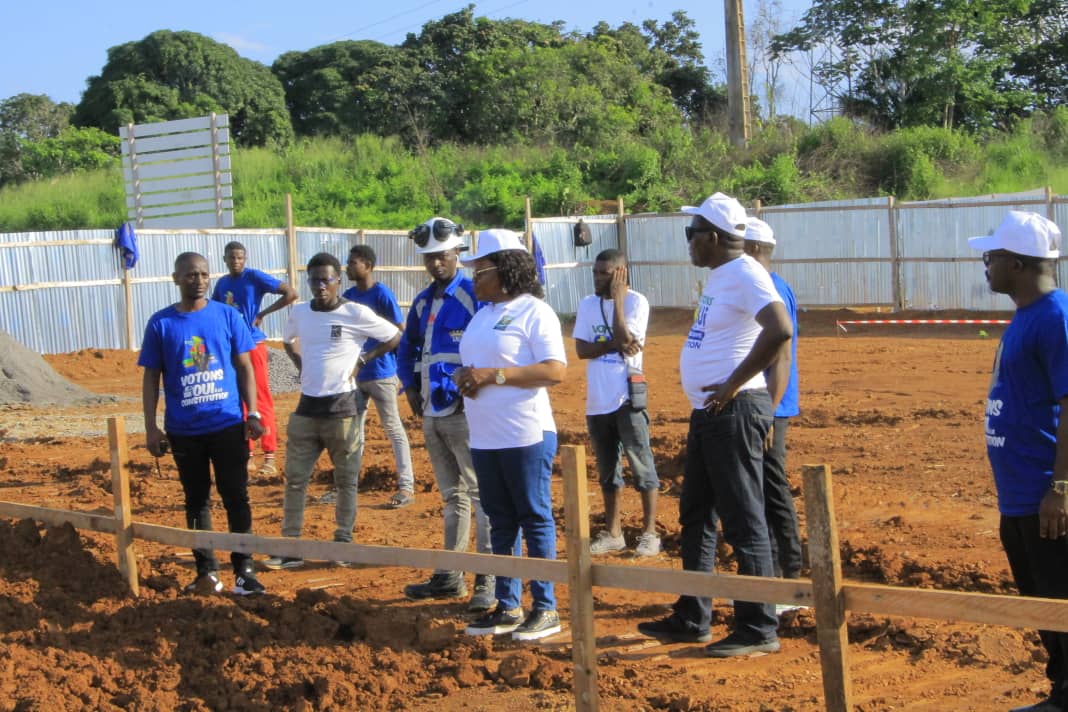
column 264, row 401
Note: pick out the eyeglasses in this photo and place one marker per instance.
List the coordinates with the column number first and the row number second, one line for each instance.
column 480, row 272
column 990, row 255
column 316, row 281
column 442, row 230
column 691, row 231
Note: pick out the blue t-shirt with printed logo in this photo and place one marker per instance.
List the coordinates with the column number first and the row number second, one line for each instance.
column 1022, row 410
column 380, row 299
column 195, row 351
column 245, row 293
column 790, row 405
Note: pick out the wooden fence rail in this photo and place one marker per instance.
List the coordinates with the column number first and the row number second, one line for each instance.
column 826, row 592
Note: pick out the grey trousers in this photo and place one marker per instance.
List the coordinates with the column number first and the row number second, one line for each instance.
column 448, row 444
column 383, row 392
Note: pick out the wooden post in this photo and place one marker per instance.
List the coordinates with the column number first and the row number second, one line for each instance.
column 827, row 591
column 895, row 258
column 621, row 229
column 1049, row 203
column 120, row 490
column 528, row 230
column 757, row 208
column 580, row 577
column 127, row 291
column 291, row 243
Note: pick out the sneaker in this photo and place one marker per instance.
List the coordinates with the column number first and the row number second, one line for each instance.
column 450, row 585
column 284, row 562
column 733, row 646
column 781, row 608
column 605, row 542
column 648, row 545
column 673, row 630
column 496, row 623
column 539, row 624
column 485, row 595
column 245, row 584
column 267, row 468
column 205, row 583
column 401, row 499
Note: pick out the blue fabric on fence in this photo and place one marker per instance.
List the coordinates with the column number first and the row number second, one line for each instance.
column 126, row 240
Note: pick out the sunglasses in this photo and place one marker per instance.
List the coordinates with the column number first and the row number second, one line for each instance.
column 691, row 231
column 442, row 230
column 990, row 255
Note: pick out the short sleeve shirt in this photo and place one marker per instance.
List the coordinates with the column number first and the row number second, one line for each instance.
column 519, row 332
column 381, row 301
column 725, row 328
column 606, row 375
column 1022, row 411
column 245, row 293
column 194, row 351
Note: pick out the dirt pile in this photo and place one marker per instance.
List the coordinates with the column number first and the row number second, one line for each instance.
column 25, row 377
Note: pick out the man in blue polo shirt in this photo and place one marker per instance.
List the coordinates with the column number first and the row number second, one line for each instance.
column 377, row 377
column 200, row 349
column 244, row 288
column 1026, row 439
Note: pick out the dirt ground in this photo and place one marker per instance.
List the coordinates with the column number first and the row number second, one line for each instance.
column 895, row 411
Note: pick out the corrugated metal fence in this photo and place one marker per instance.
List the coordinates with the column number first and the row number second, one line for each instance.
column 65, row 291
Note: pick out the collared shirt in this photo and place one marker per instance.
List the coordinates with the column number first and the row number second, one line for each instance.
column 429, row 350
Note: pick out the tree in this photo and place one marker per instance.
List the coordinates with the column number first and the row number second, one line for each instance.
column 173, row 75
column 34, row 116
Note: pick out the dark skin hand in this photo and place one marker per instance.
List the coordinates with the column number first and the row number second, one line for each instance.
column 1053, row 510
column 622, row 340
column 471, row 380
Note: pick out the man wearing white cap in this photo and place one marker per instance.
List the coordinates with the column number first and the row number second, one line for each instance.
column 740, row 328
column 1026, row 439
column 428, row 355
column 778, row 501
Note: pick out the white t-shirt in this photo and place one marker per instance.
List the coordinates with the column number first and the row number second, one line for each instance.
column 606, row 375
column 330, row 343
column 519, row 332
column 725, row 329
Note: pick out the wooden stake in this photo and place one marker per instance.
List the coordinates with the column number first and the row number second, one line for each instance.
column 127, row 291
column 621, row 230
column 291, row 243
column 580, row 577
column 827, row 588
column 528, row 230
column 895, row 256
column 120, row 489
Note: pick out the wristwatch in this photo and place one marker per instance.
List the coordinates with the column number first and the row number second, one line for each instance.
column 1059, row 486
column 253, row 414
column 499, row 377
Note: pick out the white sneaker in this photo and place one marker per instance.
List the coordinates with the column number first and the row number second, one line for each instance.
column 781, row 608
column 648, row 545
column 605, row 542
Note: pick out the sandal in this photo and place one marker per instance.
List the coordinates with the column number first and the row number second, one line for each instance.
column 401, row 499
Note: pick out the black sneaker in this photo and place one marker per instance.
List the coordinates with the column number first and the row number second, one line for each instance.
column 673, row 630
column 450, row 585
column 539, row 624
column 734, row 646
column 284, row 562
column 205, row 583
column 245, row 584
column 496, row 623
column 485, row 595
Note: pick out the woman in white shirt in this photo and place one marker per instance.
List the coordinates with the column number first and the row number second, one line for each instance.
column 512, row 350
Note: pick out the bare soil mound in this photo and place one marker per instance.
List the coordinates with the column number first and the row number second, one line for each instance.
column 25, row 377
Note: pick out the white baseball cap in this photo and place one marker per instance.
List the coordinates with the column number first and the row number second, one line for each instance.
column 756, row 230
column 723, row 211
column 437, row 235
column 1022, row 233
column 496, row 240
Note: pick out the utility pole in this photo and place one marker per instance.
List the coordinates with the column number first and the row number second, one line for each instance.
column 737, row 75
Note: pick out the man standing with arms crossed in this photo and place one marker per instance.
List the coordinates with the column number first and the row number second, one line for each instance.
column 609, row 332
column 243, row 288
column 740, row 329
column 428, row 355
column 1026, row 431
column 200, row 349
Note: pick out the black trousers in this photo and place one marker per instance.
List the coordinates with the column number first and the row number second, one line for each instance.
column 1040, row 568
column 779, row 507
column 225, row 451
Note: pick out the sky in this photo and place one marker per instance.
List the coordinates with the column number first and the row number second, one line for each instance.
column 54, row 47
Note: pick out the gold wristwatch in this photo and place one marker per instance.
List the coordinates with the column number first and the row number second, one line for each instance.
column 1059, row 486
column 499, row 377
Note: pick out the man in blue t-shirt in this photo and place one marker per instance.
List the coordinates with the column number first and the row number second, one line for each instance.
column 200, row 350
column 377, row 377
column 1026, row 439
column 244, row 288
column 779, row 508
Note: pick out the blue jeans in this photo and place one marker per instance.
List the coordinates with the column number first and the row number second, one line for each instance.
column 724, row 472
column 514, row 487
column 624, row 430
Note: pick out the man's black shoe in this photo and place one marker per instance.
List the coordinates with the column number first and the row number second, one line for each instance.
column 1046, row 705
column 733, row 646
column 450, row 585
column 673, row 630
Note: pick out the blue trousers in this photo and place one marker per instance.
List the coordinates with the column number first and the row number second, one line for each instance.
column 513, row 484
column 724, row 473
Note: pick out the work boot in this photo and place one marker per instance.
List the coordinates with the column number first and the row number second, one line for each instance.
column 447, row 585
